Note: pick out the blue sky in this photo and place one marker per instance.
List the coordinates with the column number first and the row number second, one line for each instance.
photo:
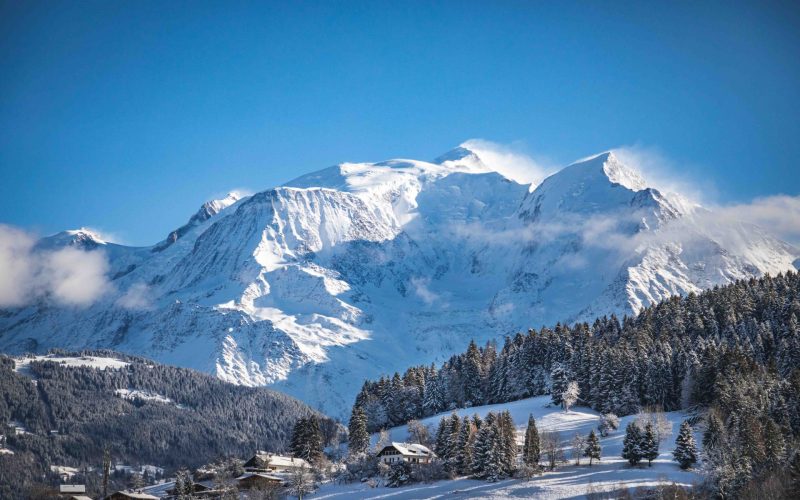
column 125, row 116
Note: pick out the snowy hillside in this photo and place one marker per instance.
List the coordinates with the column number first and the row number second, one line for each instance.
column 363, row 269
column 569, row 481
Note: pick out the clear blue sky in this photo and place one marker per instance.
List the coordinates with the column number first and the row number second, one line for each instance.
column 127, row 115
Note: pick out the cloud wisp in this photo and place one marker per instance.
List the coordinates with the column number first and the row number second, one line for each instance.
column 67, row 276
column 510, row 161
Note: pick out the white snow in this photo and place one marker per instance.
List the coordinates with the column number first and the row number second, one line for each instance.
column 22, row 364
column 568, row 481
column 134, row 394
column 363, row 269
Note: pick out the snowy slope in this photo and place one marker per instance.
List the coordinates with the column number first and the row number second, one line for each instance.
column 569, row 481
column 362, row 269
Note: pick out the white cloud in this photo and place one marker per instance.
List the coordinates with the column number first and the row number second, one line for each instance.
column 510, row 161
column 137, row 297
column 664, row 174
column 778, row 215
column 16, row 267
column 67, row 276
column 423, row 292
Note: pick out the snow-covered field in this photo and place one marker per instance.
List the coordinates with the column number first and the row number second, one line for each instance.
column 132, row 394
column 568, row 481
column 22, row 364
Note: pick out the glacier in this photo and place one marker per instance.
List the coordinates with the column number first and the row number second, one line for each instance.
column 363, row 269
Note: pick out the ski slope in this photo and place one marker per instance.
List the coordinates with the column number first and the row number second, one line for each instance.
column 568, row 481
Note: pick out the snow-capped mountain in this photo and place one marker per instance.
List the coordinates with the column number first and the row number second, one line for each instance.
column 362, row 269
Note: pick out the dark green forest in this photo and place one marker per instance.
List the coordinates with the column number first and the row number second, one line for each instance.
column 207, row 419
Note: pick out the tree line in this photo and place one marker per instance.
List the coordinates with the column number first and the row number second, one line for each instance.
column 731, row 352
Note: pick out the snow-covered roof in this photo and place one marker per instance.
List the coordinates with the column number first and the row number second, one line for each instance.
column 411, row 449
column 259, row 474
column 280, row 460
column 137, row 495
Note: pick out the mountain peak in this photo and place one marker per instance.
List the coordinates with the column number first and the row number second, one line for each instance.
column 609, row 166
column 462, row 152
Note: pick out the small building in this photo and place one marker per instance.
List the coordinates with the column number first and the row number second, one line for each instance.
column 250, row 480
column 130, row 495
column 406, row 452
column 264, row 461
column 72, row 491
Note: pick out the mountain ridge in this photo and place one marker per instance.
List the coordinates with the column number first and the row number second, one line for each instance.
column 364, row 268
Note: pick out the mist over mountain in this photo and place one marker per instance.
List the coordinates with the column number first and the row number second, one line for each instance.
column 362, row 269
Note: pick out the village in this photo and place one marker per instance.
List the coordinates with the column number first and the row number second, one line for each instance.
column 265, row 475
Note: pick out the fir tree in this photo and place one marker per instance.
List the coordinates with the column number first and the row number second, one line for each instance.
column 307, row 439
column 685, row 449
column 559, row 382
column 530, row 450
column 649, row 444
column 774, row 444
column 632, row 444
column 451, row 445
column 486, row 459
column 442, row 438
column 593, row 448
column 463, row 458
column 359, row 437
column 714, row 431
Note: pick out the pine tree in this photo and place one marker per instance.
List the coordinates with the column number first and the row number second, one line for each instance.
column 507, row 443
column 685, row 449
column 442, row 439
column 593, row 448
column 463, row 458
column 774, row 444
column 307, row 439
column 632, row 444
column 649, row 444
column 714, row 431
column 473, row 376
column 530, row 450
column 486, row 459
column 359, row 437
column 451, row 445
column 559, row 381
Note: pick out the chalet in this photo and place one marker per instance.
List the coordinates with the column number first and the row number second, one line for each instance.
column 405, row 452
column 199, row 489
column 258, row 480
column 130, row 495
column 73, row 492
column 264, row 461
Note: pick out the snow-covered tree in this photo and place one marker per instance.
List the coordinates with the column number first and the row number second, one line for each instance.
column 570, row 395
column 558, row 383
column 578, row 447
column 464, row 442
column 399, row 474
column 307, row 439
column 530, row 449
column 486, row 457
column 359, row 437
column 649, row 444
column 685, row 449
column 592, row 450
column 608, row 423
column 632, row 444
column 184, row 486
column 301, row 482
column 550, row 444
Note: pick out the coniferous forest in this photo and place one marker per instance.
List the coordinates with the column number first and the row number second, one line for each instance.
column 730, row 354
column 72, row 415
